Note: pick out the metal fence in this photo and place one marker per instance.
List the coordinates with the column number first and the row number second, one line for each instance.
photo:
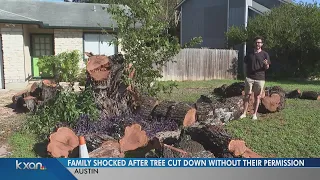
column 202, row 64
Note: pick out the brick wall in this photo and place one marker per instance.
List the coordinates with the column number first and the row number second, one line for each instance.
column 68, row 40
column 13, row 55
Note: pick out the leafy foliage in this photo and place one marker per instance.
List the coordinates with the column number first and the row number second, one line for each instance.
column 65, row 108
column 64, row 66
column 145, row 41
column 291, row 34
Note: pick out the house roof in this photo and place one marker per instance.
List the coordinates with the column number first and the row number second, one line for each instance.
column 56, row 14
column 183, row 1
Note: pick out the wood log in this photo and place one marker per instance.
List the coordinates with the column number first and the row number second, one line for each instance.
column 294, row 94
column 274, row 100
column 213, row 138
column 204, row 111
column 108, row 149
column 234, row 89
column 178, row 112
column 162, row 109
column 220, row 91
column 29, row 104
column 310, row 95
column 146, row 107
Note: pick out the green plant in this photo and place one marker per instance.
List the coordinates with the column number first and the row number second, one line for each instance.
column 82, row 77
column 145, row 41
column 63, row 67
column 65, row 108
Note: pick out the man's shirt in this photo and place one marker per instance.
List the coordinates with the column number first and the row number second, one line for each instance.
column 255, row 66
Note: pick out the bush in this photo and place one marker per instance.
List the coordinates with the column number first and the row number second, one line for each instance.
column 63, row 67
column 65, row 108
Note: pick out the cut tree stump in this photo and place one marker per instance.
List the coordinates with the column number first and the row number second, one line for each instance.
column 105, row 77
column 29, row 103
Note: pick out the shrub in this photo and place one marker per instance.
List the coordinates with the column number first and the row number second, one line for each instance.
column 63, row 67
column 65, row 108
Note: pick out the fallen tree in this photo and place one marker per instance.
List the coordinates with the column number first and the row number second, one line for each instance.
column 140, row 126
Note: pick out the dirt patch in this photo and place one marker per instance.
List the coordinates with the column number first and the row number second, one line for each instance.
column 10, row 120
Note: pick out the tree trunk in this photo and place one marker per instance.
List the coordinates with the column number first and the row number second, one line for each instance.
column 105, row 78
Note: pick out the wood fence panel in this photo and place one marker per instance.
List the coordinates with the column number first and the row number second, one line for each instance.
column 202, row 64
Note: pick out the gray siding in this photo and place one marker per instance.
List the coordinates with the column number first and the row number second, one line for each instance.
column 205, row 18
column 236, row 12
column 269, row 3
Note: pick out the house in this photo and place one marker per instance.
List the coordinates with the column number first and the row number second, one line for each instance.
column 30, row 29
column 211, row 19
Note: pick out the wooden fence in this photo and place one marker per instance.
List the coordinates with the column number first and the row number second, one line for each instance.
column 202, row 64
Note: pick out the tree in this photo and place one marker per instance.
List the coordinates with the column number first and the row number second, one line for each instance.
column 146, row 42
column 292, row 36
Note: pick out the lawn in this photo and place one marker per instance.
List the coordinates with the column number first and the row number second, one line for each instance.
column 294, row 132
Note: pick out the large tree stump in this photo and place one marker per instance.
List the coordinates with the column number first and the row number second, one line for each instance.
column 105, row 77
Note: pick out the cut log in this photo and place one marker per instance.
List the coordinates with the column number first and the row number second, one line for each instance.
column 29, row 103
column 49, row 91
column 134, row 138
column 62, row 142
column 274, row 100
column 213, row 138
column 190, row 117
column 194, row 149
column 294, row 94
column 204, row 111
column 108, row 149
column 94, row 141
column 178, row 112
column 220, row 91
column 19, row 95
column 234, row 89
column 310, row 95
column 162, row 109
column 148, row 104
column 239, row 149
column 168, row 137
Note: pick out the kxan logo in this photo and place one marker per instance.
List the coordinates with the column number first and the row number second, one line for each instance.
column 30, row 165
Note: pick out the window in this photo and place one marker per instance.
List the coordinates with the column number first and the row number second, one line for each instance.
column 42, row 45
column 98, row 44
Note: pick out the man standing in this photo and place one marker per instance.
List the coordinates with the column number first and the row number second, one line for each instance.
column 257, row 62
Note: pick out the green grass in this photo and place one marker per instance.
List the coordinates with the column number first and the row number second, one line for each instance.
column 22, row 144
column 293, row 132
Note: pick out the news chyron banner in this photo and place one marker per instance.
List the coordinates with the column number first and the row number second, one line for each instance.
column 162, row 168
